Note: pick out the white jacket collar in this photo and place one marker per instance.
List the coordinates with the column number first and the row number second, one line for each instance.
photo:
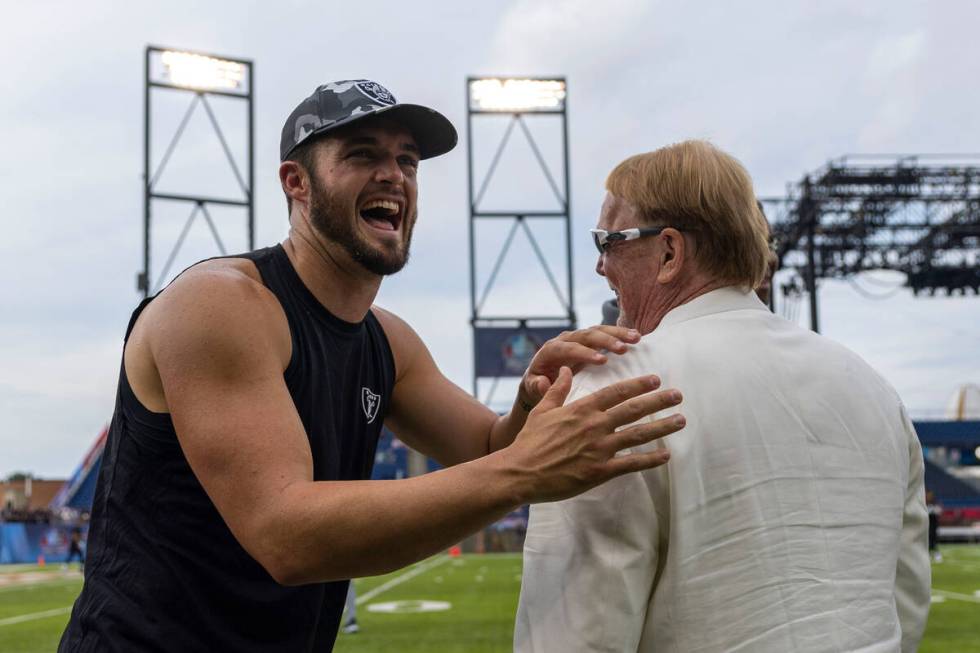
column 730, row 298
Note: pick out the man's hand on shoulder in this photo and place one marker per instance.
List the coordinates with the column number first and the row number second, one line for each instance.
column 566, row 449
column 575, row 350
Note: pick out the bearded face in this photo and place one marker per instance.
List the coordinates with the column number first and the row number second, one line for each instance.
column 340, row 219
column 363, row 192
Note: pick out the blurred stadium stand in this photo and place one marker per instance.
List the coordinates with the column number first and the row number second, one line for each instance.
column 949, row 489
column 943, row 442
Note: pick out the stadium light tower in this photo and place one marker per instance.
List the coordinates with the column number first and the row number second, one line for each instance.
column 503, row 344
column 202, row 75
column 201, row 72
column 517, row 95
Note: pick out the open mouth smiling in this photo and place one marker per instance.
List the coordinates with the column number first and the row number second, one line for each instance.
column 382, row 214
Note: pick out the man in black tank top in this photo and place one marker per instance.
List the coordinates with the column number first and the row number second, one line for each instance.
column 232, row 504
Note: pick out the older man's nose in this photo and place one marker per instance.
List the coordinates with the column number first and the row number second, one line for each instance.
column 598, row 266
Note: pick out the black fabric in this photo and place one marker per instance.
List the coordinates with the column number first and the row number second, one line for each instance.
column 164, row 572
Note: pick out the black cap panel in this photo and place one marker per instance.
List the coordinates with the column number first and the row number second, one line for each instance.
column 340, row 103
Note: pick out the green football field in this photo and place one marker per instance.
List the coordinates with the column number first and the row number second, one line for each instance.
column 463, row 605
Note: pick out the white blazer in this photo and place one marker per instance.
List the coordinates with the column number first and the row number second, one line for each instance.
column 791, row 516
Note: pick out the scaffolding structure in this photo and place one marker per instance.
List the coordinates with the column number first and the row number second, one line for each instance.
column 918, row 214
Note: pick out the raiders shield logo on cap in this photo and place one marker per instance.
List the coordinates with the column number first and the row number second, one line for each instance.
column 375, row 91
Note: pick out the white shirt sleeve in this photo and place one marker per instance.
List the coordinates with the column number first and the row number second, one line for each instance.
column 589, row 569
column 913, row 576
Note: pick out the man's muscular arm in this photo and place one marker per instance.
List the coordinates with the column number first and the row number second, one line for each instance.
column 219, row 344
column 435, row 416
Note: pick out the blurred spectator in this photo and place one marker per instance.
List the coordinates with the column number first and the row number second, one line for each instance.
column 27, row 516
column 75, row 548
column 935, row 510
column 350, row 626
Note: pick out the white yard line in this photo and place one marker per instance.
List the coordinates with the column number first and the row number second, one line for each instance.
column 34, row 615
column 959, row 563
column 35, row 577
column 398, row 580
column 956, row 595
column 52, row 582
column 17, row 568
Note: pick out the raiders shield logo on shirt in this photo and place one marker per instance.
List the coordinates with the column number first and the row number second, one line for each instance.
column 370, row 402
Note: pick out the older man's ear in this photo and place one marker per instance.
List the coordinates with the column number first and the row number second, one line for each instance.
column 673, row 255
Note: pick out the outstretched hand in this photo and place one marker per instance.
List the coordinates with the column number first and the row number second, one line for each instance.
column 569, row 449
column 575, row 350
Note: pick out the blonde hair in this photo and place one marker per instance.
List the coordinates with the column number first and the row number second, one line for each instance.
column 695, row 186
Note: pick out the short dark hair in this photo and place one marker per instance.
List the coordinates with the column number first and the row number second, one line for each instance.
column 304, row 156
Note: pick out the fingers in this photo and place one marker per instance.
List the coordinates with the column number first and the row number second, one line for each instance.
column 574, row 353
column 542, row 385
column 537, row 385
column 617, row 393
column 530, row 382
column 629, row 411
column 610, row 338
column 637, row 462
column 558, row 392
column 640, row 434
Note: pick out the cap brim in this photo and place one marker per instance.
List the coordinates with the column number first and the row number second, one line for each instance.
column 433, row 132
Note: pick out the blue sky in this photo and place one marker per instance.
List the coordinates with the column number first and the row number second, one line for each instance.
column 783, row 86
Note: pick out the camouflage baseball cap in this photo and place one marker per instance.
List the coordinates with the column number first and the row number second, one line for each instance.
column 340, row 103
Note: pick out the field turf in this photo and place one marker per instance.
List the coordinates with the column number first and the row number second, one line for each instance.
column 482, row 595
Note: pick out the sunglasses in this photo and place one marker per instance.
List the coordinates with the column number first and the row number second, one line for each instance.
column 603, row 239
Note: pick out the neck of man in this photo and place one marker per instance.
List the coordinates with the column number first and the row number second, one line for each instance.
column 669, row 297
column 341, row 284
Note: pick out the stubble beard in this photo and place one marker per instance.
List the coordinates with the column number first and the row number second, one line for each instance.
column 328, row 218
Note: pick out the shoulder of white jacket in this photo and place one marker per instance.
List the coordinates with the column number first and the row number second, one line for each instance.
column 639, row 360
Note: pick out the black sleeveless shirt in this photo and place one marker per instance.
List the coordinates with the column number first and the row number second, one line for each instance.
column 164, row 572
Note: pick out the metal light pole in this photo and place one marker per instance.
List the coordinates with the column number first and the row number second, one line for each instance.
column 504, row 344
column 202, row 76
